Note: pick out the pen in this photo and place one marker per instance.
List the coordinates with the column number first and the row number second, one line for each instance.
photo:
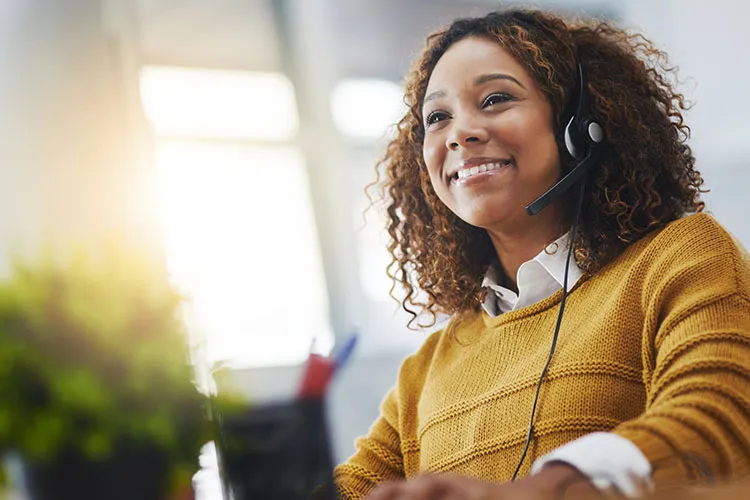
column 345, row 352
column 320, row 369
column 318, row 373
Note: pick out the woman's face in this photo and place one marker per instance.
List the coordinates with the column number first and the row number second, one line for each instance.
column 489, row 143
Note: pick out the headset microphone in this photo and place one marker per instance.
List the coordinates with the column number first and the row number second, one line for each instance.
column 584, row 139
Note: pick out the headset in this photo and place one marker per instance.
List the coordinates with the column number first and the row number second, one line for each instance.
column 584, row 141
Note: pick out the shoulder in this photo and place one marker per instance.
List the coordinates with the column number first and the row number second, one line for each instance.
column 439, row 348
column 697, row 231
column 696, row 248
column 414, row 367
column 692, row 238
column 698, row 237
column 424, row 357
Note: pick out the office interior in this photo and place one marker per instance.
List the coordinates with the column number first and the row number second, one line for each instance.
column 235, row 139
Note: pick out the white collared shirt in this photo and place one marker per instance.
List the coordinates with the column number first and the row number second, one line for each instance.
column 536, row 279
column 608, row 460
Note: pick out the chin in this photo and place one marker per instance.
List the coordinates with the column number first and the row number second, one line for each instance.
column 483, row 221
column 492, row 216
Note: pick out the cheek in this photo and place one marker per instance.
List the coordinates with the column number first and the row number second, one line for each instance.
column 548, row 155
column 434, row 157
column 526, row 129
column 536, row 140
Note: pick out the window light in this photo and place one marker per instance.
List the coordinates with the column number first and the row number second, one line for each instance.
column 218, row 104
column 241, row 242
column 366, row 108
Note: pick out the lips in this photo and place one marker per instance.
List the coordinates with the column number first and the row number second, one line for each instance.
column 478, row 166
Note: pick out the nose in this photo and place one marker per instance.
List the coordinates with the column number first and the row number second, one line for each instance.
column 466, row 130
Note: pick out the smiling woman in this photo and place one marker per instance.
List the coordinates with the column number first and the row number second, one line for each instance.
column 483, row 109
column 643, row 381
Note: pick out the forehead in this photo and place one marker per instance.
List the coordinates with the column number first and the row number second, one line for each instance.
column 472, row 57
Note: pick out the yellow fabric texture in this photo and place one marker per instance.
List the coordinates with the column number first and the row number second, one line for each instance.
column 654, row 347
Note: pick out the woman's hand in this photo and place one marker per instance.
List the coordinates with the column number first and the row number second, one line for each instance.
column 555, row 481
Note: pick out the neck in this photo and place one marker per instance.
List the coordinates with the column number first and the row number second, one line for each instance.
column 521, row 243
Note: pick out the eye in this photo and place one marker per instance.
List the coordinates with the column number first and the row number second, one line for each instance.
column 497, row 98
column 436, row 116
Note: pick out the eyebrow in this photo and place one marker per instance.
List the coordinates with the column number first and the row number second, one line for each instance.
column 434, row 95
column 496, row 76
column 477, row 81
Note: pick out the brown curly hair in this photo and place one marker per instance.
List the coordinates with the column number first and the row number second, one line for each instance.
column 647, row 178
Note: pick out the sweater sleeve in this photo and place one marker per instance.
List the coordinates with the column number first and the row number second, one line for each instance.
column 378, row 457
column 696, row 357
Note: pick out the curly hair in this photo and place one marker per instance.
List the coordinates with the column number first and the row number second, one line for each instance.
column 646, row 179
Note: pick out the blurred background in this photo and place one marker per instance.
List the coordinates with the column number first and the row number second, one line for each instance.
column 234, row 139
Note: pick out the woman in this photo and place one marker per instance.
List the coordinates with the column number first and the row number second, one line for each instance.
column 649, row 345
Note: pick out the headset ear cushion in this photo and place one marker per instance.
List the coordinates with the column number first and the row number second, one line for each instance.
column 570, row 142
column 595, row 132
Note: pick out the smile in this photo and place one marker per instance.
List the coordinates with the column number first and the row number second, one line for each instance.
column 469, row 172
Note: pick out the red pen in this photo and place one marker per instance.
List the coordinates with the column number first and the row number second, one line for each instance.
column 318, row 373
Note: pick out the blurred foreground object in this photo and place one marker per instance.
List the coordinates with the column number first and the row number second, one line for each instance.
column 733, row 491
column 280, row 449
column 96, row 392
column 277, row 451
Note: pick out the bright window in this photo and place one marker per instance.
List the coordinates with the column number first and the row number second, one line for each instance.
column 240, row 236
column 367, row 109
column 205, row 104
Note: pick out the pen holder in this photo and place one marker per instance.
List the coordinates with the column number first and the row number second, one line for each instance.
column 276, row 451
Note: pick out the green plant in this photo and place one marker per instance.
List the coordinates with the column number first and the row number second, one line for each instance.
column 93, row 354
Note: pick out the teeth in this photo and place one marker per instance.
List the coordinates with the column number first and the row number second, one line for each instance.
column 467, row 172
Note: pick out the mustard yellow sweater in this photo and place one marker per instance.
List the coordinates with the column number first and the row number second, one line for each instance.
column 655, row 347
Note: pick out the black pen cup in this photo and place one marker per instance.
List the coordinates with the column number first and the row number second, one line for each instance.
column 276, row 451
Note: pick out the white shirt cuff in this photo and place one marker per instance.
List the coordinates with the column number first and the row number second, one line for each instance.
column 608, row 460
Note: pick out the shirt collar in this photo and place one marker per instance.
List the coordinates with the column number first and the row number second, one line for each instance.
column 552, row 259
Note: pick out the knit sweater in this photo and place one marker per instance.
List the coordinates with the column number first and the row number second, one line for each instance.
column 654, row 347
